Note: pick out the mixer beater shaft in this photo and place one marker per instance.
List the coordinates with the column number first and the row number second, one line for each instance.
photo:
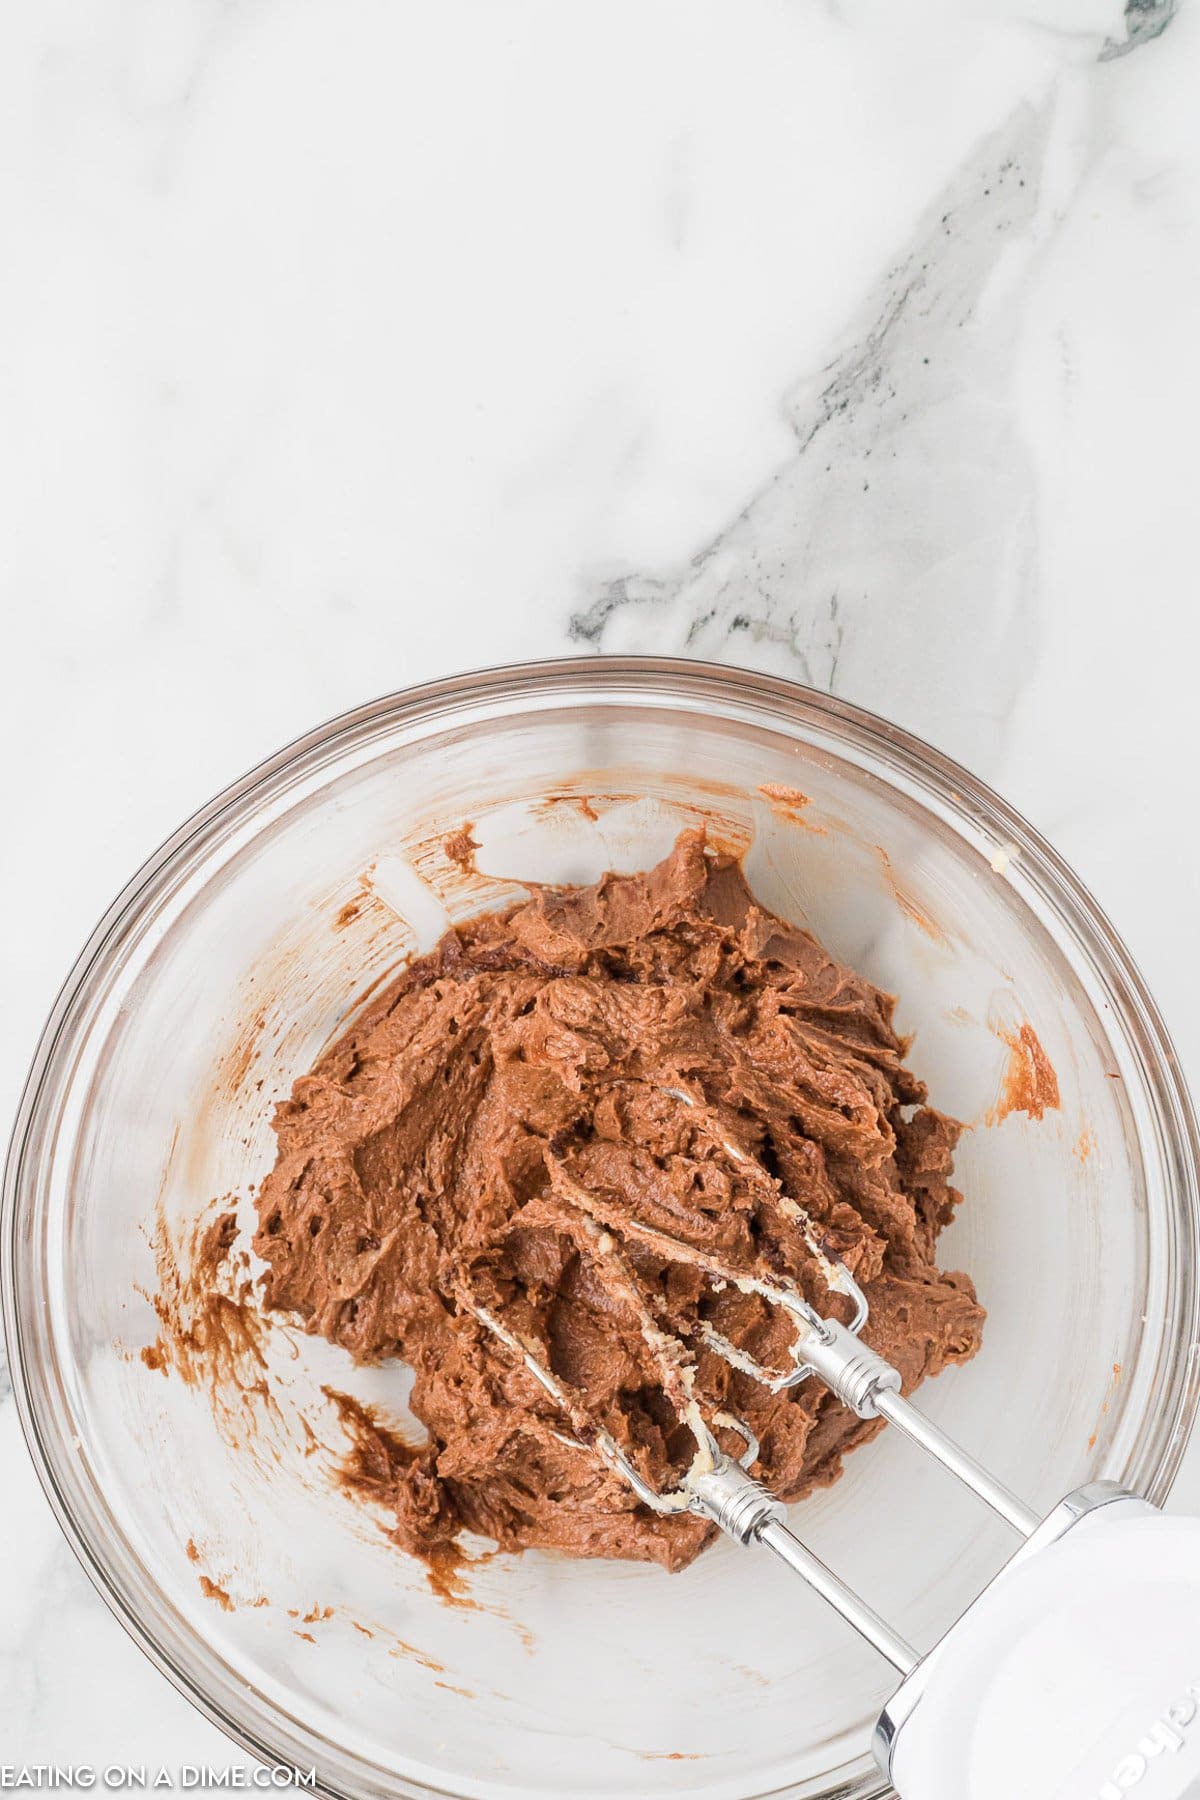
column 992, row 1702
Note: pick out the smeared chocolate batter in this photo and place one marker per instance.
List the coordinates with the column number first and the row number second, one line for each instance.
column 500, row 1121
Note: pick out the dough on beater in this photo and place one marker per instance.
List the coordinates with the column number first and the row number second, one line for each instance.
column 437, row 1155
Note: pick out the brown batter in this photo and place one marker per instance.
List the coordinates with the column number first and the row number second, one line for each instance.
column 500, row 1121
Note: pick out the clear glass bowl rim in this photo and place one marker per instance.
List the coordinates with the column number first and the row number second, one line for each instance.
column 256, row 1726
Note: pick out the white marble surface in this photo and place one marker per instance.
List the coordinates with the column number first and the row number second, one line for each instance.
column 347, row 345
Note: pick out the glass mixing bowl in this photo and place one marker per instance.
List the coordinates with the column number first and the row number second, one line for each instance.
column 225, row 967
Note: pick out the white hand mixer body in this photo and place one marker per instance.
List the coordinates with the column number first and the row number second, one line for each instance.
column 1074, row 1676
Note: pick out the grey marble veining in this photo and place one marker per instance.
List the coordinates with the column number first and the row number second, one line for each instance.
column 892, row 559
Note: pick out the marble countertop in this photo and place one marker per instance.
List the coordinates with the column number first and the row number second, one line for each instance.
column 344, row 347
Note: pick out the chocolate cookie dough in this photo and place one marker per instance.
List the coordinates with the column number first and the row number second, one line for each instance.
column 506, row 1124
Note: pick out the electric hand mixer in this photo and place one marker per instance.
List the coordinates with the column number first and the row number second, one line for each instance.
column 1074, row 1676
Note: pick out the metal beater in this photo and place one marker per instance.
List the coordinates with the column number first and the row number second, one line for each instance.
column 1074, row 1676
